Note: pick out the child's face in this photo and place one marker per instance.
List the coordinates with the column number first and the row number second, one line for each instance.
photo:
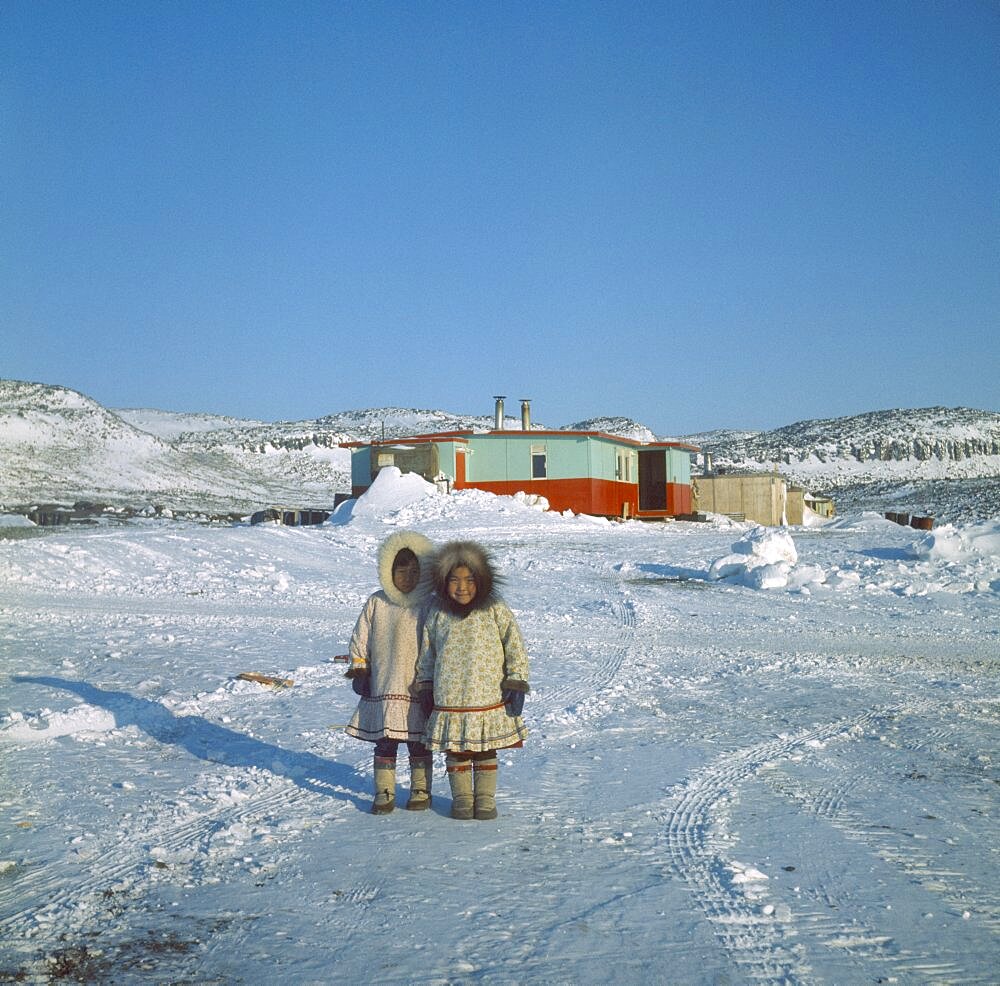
column 461, row 585
column 406, row 576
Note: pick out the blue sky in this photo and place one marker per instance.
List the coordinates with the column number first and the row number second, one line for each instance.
column 698, row 215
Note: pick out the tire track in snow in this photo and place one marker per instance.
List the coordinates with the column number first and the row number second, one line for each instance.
column 897, row 961
column 861, row 946
column 827, row 912
column 598, row 675
column 761, row 946
column 898, row 847
column 38, row 892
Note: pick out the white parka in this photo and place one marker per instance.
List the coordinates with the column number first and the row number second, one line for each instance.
column 385, row 645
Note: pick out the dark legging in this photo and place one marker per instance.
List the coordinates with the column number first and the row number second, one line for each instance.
column 386, row 748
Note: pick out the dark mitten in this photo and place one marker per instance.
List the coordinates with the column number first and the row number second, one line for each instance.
column 514, row 700
column 362, row 685
column 427, row 701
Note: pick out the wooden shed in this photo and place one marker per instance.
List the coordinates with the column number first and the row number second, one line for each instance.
column 756, row 496
column 763, row 497
column 804, row 507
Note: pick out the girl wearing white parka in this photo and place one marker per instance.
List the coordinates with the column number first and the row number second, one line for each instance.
column 383, row 656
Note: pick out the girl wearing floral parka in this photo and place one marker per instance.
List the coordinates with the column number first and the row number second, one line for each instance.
column 383, row 654
column 472, row 676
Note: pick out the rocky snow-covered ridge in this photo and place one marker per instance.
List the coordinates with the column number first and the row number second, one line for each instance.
column 625, row 427
column 57, row 445
column 335, row 429
column 900, row 445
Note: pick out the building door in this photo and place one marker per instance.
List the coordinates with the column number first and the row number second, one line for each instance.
column 653, row 480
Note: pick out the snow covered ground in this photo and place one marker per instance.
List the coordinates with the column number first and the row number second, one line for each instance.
column 755, row 756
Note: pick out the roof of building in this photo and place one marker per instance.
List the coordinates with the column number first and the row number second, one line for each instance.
column 463, row 436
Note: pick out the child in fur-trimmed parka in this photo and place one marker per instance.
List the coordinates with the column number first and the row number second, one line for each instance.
column 383, row 653
column 472, row 676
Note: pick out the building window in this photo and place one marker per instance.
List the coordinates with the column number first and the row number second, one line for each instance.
column 386, row 459
column 538, row 465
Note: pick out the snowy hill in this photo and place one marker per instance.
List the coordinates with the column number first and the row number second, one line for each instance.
column 332, row 430
column 625, row 427
column 170, row 425
column 923, row 444
column 394, row 422
column 937, row 461
column 720, row 438
column 59, row 446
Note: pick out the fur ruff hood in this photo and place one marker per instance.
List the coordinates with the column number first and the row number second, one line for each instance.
column 478, row 561
column 388, row 549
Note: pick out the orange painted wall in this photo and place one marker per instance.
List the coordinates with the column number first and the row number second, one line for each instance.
column 679, row 501
column 584, row 496
column 679, row 498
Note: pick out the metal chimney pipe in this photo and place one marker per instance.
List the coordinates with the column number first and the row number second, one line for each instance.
column 709, row 464
column 525, row 414
column 498, row 416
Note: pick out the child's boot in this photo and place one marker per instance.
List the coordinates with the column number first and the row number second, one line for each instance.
column 385, row 785
column 460, row 779
column 486, row 788
column 421, row 772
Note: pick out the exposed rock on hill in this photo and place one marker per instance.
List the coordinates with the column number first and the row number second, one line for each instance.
column 58, row 446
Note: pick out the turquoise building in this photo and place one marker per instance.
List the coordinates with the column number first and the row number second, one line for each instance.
column 588, row 472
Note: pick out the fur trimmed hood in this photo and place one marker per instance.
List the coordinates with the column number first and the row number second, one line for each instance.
column 388, row 549
column 478, row 561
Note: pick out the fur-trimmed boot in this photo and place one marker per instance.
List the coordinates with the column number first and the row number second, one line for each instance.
column 486, row 788
column 421, row 774
column 460, row 779
column 385, row 785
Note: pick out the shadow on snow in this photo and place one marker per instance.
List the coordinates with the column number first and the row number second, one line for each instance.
column 216, row 744
column 653, row 574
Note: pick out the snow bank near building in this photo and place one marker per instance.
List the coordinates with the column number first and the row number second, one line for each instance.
column 391, row 491
column 949, row 544
column 762, row 559
column 15, row 520
column 400, row 498
column 766, row 558
column 947, row 560
column 812, row 519
column 865, row 521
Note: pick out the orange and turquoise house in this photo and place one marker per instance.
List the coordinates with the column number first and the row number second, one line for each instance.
column 588, row 472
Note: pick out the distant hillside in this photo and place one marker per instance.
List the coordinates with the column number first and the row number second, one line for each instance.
column 57, row 445
column 942, row 462
column 332, row 430
column 721, row 438
column 896, row 445
column 170, row 425
column 624, row 427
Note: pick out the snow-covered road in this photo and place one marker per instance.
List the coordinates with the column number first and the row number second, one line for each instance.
column 723, row 784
